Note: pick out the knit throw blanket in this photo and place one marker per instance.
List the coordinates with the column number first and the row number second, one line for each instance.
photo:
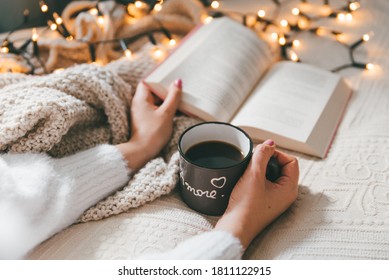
column 81, row 107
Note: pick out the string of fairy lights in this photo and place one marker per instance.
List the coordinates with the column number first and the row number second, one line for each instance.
column 281, row 31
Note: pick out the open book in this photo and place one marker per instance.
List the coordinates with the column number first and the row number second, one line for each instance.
column 229, row 75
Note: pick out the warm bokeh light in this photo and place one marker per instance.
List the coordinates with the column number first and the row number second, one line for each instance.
column 93, row 11
column 158, row 54
column 101, row 20
column 293, row 56
column 34, row 36
column 354, row 6
column 207, row 19
column 284, row 23
column 57, row 18
column 366, row 37
column 370, row 66
column 282, row 40
column 295, row 11
column 215, row 4
column 44, row 7
column 128, row 53
column 172, row 42
column 4, row 49
column 296, row 43
column 138, row 4
column 158, row 7
column 53, row 26
column 261, row 13
column 341, row 17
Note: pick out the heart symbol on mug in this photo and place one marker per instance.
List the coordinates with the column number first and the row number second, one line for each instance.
column 219, row 182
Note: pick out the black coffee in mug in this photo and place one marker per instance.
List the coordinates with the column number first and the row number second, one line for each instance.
column 214, row 154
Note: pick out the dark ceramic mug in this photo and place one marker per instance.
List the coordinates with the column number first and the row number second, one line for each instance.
column 205, row 187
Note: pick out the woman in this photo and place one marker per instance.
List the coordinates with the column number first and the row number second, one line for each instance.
column 40, row 196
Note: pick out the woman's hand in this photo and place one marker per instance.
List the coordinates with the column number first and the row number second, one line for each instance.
column 255, row 202
column 151, row 125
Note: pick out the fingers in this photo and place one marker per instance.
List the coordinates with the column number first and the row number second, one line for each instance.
column 143, row 93
column 261, row 156
column 289, row 165
column 173, row 98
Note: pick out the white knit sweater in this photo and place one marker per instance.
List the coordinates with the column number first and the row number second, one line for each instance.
column 40, row 196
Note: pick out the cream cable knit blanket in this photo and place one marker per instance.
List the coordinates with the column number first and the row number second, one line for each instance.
column 77, row 109
column 86, row 105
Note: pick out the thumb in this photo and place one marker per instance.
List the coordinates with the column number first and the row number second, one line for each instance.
column 262, row 155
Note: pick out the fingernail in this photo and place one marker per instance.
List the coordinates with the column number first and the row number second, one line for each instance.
column 178, row 83
column 269, row 142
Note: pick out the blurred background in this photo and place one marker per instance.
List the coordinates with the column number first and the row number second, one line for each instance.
column 11, row 12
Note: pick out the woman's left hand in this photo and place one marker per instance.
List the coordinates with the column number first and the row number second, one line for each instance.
column 151, row 125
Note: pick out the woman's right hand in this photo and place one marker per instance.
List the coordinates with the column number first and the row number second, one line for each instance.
column 255, row 201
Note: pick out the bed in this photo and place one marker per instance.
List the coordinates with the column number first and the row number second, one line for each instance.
column 342, row 210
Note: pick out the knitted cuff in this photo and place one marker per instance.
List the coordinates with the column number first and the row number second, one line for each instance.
column 96, row 173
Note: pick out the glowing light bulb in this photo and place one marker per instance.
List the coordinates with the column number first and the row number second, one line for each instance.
column 35, row 35
column 53, row 26
column 293, row 56
column 370, row 66
column 59, row 21
column 4, row 49
column 274, row 36
column 93, row 11
column 284, row 23
column 341, row 17
column 57, row 18
column 295, row 11
column 100, row 20
column 44, row 7
column 215, row 4
column 138, row 4
column 366, row 37
column 128, row 53
column 172, row 42
column 349, row 17
column 261, row 13
column 207, row 19
column 354, row 6
column 158, row 54
column 296, row 43
column 282, row 40
column 157, row 7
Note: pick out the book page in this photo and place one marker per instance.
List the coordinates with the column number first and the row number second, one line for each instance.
column 219, row 64
column 289, row 101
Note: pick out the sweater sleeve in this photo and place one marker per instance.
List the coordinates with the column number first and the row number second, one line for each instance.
column 212, row 245
column 39, row 195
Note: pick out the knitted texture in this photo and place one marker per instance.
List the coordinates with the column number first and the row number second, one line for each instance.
column 79, row 108
column 158, row 177
column 86, row 105
column 37, row 113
